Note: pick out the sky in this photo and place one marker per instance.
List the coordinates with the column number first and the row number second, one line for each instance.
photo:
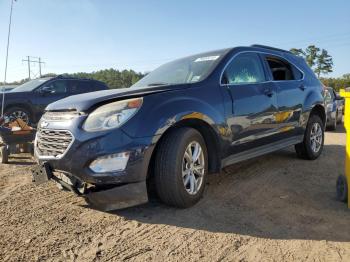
column 90, row 35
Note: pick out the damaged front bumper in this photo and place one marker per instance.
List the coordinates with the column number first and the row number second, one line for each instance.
column 87, row 161
column 105, row 198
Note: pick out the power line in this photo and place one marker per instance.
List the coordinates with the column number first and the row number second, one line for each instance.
column 29, row 61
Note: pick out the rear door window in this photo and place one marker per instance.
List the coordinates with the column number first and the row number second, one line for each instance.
column 282, row 70
column 78, row 87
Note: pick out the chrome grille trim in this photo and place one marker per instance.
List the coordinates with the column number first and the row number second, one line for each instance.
column 60, row 116
column 52, row 143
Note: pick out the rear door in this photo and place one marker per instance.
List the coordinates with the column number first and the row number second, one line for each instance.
column 290, row 91
column 252, row 119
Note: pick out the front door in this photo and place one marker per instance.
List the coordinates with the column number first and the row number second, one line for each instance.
column 252, row 119
column 54, row 91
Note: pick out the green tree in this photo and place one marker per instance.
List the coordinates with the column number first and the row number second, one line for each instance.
column 318, row 59
column 112, row 77
column 324, row 63
column 298, row 52
column 311, row 54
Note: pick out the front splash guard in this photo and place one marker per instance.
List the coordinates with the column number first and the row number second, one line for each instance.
column 118, row 197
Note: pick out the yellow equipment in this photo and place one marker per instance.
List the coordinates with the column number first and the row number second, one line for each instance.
column 343, row 192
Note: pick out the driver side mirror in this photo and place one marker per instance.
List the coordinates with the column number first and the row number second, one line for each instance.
column 46, row 90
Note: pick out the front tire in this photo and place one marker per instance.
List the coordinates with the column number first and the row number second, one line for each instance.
column 312, row 145
column 181, row 167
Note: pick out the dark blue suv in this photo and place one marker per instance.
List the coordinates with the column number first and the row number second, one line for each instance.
column 185, row 119
column 28, row 101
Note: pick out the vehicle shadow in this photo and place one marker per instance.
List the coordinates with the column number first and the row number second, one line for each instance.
column 276, row 196
column 21, row 160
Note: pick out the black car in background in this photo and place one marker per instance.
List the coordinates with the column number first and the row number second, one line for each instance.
column 188, row 117
column 28, row 101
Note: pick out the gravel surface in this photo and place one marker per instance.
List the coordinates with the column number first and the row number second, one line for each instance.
column 272, row 208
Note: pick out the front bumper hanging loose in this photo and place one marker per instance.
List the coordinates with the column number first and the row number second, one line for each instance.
column 102, row 198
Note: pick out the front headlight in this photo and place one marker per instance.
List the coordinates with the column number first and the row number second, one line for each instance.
column 112, row 115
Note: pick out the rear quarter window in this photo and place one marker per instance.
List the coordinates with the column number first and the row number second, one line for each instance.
column 99, row 86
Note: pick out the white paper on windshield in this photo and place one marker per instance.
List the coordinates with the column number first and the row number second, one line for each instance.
column 207, row 58
column 195, row 78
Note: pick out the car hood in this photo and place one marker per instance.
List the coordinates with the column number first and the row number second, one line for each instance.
column 84, row 102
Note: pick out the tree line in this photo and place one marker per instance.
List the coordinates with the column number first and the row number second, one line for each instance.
column 318, row 59
column 112, row 77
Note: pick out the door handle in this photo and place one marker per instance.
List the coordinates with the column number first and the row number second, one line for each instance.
column 268, row 92
column 302, row 87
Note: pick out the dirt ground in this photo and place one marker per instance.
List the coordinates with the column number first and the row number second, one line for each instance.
column 272, row 208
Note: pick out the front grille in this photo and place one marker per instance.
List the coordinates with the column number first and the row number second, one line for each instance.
column 53, row 143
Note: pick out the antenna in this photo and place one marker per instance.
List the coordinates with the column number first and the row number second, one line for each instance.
column 7, row 56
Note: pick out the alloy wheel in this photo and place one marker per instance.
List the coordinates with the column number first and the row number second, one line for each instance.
column 18, row 114
column 316, row 137
column 193, row 168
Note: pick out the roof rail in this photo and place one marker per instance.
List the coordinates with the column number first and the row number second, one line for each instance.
column 67, row 76
column 271, row 48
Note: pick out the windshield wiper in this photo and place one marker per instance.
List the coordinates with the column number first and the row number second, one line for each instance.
column 158, row 84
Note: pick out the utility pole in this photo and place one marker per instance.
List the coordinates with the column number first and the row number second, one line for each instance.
column 40, row 66
column 29, row 61
column 40, row 62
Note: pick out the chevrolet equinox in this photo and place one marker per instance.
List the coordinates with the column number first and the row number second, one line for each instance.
column 185, row 119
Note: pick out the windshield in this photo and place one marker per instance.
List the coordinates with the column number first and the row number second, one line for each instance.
column 30, row 85
column 183, row 71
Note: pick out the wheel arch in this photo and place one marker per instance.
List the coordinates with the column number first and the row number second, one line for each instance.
column 320, row 111
column 23, row 106
column 209, row 135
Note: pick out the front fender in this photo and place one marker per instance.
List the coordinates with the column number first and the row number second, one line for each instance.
column 156, row 117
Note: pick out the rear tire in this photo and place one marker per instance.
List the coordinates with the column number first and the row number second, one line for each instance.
column 181, row 167
column 334, row 124
column 312, row 145
column 340, row 118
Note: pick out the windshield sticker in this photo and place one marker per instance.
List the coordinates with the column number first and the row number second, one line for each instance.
column 207, row 58
column 195, row 78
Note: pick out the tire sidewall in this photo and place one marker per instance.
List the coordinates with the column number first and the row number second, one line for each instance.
column 311, row 153
column 189, row 138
